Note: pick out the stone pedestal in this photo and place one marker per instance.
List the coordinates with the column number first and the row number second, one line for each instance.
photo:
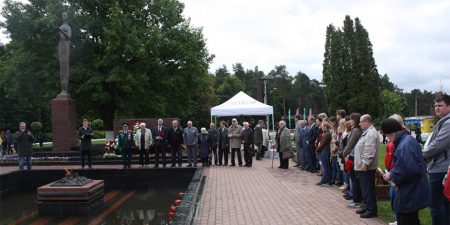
column 84, row 200
column 64, row 130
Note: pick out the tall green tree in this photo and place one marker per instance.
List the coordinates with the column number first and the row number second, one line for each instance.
column 128, row 59
column 349, row 70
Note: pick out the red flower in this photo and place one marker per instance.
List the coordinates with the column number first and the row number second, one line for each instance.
column 171, row 214
column 173, row 208
column 181, row 194
column 177, row 201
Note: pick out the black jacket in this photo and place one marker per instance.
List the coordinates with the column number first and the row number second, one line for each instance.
column 85, row 136
column 223, row 138
column 175, row 137
column 213, row 137
column 247, row 136
column 162, row 133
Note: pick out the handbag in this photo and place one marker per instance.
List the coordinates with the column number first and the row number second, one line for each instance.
column 288, row 154
column 446, row 184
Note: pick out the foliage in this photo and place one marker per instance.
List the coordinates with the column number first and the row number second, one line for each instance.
column 349, row 70
column 392, row 102
column 97, row 124
column 36, row 126
column 128, row 59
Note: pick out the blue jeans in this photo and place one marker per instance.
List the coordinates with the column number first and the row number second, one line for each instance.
column 21, row 161
column 392, row 195
column 192, row 154
column 305, row 157
column 335, row 170
column 367, row 183
column 326, row 169
column 439, row 207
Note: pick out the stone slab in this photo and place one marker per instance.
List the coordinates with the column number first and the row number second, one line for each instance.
column 70, row 193
column 64, row 130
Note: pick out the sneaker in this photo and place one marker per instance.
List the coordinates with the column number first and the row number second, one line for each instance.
column 393, row 223
column 353, row 205
column 343, row 187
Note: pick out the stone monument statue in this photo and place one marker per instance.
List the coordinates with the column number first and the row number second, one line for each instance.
column 65, row 33
column 64, row 135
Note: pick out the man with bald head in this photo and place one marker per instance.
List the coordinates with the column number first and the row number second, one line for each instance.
column 190, row 134
column 235, row 138
column 366, row 162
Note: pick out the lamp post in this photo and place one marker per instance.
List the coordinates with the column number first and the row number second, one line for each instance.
column 265, row 79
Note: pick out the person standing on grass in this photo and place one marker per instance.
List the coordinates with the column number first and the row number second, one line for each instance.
column 437, row 155
column 366, row 162
column 408, row 173
column 24, row 142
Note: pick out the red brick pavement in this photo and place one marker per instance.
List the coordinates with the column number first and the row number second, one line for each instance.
column 262, row 195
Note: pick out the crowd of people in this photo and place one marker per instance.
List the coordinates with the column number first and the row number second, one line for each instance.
column 344, row 150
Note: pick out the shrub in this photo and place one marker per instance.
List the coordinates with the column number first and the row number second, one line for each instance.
column 36, row 127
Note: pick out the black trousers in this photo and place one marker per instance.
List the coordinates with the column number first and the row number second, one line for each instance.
column 213, row 152
column 223, row 153
column 176, row 155
column 160, row 149
column 367, row 183
column 144, row 153
column 238, row 152
column 126, row 155
column 247, row 157
column 312, row 157
column 85, row 153
column 411, row 218
column 284, row 163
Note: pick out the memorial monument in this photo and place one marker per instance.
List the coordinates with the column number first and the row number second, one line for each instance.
column 63, row 106
column 71, row 195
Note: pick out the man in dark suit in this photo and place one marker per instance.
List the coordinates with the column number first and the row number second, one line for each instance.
column 312, row 137
column 213, row 135
column 85, row 134
column 247, row 141
column 174, row 141
column 224, row 148
column 258, row 139
column 24, row 143
column 159, row 133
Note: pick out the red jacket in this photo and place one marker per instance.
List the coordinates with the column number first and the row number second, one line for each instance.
column 388, row 160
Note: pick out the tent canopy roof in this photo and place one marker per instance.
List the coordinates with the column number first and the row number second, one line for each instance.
column 241, row 104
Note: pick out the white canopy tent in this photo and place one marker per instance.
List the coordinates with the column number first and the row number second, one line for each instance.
column 242, row 104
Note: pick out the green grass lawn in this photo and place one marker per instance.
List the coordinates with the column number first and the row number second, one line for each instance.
column 384, row 207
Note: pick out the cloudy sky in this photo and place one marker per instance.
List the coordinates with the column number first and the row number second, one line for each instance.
column 411, row 38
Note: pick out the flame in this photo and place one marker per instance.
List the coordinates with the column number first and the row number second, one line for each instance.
column 68, row 171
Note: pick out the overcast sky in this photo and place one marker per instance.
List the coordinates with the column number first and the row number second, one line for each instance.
column 410, row 38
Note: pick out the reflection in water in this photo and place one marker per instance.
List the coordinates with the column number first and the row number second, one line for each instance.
column 139, row 216
column 148, row 207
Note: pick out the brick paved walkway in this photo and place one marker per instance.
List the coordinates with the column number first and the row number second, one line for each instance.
column 262, row 195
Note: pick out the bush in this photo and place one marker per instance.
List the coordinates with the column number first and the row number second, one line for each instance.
column 36, row 127
column 97, row 124
column 99, row 134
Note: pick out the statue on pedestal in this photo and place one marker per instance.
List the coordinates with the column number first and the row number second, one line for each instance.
column 65, row 33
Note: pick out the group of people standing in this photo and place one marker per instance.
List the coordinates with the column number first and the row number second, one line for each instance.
column 346, row 149
column 212, row 146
